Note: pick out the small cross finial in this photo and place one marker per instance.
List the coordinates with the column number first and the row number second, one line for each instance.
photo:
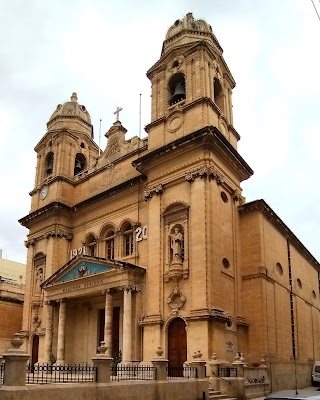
column 117, row 112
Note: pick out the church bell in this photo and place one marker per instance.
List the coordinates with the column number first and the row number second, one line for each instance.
column 179, row 93
column 77, row 167
column 49, row 167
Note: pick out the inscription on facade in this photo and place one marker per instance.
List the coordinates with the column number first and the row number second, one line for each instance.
column 141, row 233
column 77, row 252
column 80, row 286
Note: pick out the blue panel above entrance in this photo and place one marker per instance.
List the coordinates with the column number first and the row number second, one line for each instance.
column 83, row 268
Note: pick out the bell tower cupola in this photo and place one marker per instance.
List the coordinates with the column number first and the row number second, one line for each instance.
column 191, row 85
column 71, row 115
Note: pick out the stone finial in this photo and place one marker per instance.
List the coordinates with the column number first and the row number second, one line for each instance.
column 102, row 348
column 199, row 354
column 262, row 363
column 237, row 359
column 74, row 97
column 214, row 357
column 159, row 351
column 16, row 344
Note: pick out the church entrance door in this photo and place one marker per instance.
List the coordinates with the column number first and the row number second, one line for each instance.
column 35, row 349
column 177, row 345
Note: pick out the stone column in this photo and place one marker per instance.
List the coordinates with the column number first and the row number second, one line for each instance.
column 108, row 316
column 127, row 325
column 48, row 338
column 61, row 331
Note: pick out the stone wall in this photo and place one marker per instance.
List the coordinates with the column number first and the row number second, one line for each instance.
column 282, row 375
column 164, row 390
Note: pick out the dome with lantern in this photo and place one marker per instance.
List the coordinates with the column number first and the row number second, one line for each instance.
column 189, row 29
column 71, row 115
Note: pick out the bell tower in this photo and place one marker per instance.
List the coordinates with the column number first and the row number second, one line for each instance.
column 191, row 85
column 64, row 153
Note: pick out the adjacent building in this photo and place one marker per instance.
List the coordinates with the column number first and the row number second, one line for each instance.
column 150, row 242
column 12, row 279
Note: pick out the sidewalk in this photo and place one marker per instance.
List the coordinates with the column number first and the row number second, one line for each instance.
column 309, row 388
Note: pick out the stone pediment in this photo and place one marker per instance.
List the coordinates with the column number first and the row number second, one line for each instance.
column 84, row 266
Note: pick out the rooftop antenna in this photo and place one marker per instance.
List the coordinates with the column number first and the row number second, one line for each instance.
column 100, row 137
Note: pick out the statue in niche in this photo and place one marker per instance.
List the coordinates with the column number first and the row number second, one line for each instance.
column 39, row 280
column 176, row 244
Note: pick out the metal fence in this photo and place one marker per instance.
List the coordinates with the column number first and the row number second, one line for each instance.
column 66, row 373
column 133, row 372
column 1, row 373
column 177, row 371
column 227, row 372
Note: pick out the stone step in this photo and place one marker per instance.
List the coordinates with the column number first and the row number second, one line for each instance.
column 217, row 395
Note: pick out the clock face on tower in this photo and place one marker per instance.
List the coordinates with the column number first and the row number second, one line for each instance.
column 43, row 192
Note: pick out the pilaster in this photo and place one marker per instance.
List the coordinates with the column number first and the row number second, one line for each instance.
column 198, row 245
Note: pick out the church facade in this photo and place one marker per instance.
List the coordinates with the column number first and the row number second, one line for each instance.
column 150, row 241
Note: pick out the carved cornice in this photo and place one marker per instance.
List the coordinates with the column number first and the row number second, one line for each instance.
column 236, row 196
column 55, row 233
column 129, row 288
column 205, row 171
column 216, row 314
column 241, row 321
column 262, row 207
column 149, row 192
column 55, row 207
column 30, row 242
column 151, row 320
column 209, row 136
column 210, row 172
column 219, row 315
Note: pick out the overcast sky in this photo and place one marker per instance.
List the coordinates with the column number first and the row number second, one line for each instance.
column 102, row 50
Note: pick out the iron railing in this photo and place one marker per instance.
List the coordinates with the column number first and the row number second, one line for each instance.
column 133, row 372
column 66, row 373
column 2, row 366
column 185, row 371
column 227, row 372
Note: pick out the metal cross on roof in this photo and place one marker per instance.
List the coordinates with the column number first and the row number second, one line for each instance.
column 117, row 112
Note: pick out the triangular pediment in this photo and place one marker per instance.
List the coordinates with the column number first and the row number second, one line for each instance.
column 81, row 267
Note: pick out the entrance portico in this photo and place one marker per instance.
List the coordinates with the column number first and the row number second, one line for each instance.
column 76, row 294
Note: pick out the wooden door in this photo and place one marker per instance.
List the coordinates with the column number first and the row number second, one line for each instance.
column 177, row 342
column 35, row 349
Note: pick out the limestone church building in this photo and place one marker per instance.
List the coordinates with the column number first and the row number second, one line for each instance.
column 150, row 242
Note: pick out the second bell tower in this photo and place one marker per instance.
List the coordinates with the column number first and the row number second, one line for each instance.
column 191, row 85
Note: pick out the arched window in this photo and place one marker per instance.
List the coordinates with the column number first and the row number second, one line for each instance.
column 127, row 233
column 218, row 94
column 91, row 245
column 49, row 164
column 109, row 238
column 80, row 163
column 177, row 89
